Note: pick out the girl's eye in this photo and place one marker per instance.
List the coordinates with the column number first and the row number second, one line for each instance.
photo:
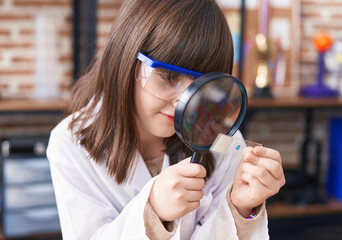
column 171, row 78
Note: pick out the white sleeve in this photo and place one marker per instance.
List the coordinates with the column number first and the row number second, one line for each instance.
column 218, row 222
column 84, row 211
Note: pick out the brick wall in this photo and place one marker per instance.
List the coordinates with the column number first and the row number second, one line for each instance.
column 17, row 33
column 106, row 13
column 17, row 43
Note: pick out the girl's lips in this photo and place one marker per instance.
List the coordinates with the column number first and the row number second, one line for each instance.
column 169, row 117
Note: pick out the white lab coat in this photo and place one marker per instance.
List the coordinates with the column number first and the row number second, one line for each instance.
column 92, row 206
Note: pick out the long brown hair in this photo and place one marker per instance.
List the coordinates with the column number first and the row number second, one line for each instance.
column 188, row 33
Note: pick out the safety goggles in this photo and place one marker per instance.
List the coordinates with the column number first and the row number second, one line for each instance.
column 164, row 81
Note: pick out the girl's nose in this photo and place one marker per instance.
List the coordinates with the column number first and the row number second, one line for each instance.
column 174, row 103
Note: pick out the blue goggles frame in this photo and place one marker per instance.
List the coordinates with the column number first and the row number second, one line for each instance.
column 157, row 64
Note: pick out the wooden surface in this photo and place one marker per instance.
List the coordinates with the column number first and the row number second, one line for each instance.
column 281, row 210
column 12, row 105
column 295, row 102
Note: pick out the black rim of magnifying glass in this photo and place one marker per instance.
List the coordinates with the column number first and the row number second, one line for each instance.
column 190, row 92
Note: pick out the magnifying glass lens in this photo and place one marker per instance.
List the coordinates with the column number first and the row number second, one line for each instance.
column 211, row 111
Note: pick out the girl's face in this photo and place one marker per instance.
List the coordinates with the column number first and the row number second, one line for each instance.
column 155, row 117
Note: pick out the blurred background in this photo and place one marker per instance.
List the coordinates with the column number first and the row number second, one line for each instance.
column 288, row 53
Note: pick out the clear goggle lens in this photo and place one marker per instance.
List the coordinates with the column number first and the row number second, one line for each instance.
column 164, row 84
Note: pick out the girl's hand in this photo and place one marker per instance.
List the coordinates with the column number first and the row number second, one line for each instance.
column 259, row 176
column 178, row 190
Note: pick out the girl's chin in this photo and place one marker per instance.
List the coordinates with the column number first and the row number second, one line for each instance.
column 166, row 134
column 169, row 135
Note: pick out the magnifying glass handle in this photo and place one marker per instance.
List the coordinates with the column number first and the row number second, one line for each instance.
column 196, row 158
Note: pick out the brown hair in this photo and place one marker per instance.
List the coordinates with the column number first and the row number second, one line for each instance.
column 188, row 33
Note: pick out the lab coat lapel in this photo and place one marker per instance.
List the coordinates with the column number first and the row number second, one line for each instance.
column 166, row 162
column 142, row 174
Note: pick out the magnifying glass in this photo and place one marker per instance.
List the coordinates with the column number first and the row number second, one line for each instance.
column 213, row 104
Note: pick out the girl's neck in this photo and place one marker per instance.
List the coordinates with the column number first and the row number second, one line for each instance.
column 151, row 149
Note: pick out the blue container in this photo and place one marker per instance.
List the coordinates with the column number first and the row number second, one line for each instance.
column 334, row 173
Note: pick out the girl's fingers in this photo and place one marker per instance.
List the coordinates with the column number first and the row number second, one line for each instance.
column 190, row 170
column 194, row 184
column 257, row 186
column 272, row 166
column 267, row 153
column 246, row 152
column 260, row 173
column 192, row 205
column 194, row 196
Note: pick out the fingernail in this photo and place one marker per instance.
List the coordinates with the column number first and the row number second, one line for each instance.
column 259, row 150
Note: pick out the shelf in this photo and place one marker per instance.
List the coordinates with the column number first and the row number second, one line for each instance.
column 13, row 105
column 294, row 102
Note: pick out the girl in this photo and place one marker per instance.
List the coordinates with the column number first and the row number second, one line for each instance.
column 118, row 169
